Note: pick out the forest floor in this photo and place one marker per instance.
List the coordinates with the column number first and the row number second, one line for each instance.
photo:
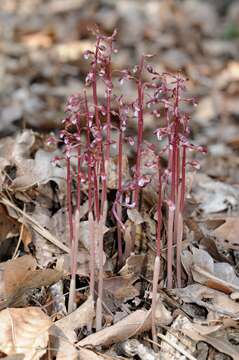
column 42, row 44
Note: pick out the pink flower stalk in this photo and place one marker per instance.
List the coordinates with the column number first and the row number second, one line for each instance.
column 140, row 111
column 158, row 252
column 90, row 143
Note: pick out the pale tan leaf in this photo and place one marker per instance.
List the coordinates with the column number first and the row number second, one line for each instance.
column 213, row 335
column 63, row 331
column 137, row 322
column 86, row 354
column 24, row 331
column 135, row 216
column 19, row 276
column 228, row 233
column 215, row 301
column 172, row 346
column 219, row 276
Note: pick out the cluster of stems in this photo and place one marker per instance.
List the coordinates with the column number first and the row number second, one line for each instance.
column 87, row 137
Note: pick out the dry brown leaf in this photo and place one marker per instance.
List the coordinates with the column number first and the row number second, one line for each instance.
column 137, row 322
column 26, row 236
column 133, row 347
column 20, row 276
column 15, row 357
column 113, row 174
column 228, row 233
column 82, row 316
column 215, row 301
column 206, row 111
column 135, row 216
column 134, row 237
column 214, row 196
column 37, row 40
column 57, row 225
column 39, row 170
column 213, row 335
column 71, row 50
column 24, row 331
column 14, row 150
column 172, row 346
column 162, row 315
column 218, row 276
column 35, row 225
column 16, row 272
column 63, row 331
column 229, row 75
column 8, row 226
column 86, row 354
column 121, row 288
column 134, row 265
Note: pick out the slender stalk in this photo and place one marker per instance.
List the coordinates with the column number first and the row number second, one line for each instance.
column 96, row 194
column 179, row 249
column 120, row 177
column 179, row 226
column 74, row 253
column 72, row 235
column 154, row 296
column 69, row 198
column 108, row 106
column 78, row 169
column 90, row 200
column 158, row 253
column 171, row 211
column 183, row 183
column 140, row 130
column 92, row 254
column 94, row 84
column 100, row 237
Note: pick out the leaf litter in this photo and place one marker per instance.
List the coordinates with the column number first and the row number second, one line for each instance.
column 199, row 320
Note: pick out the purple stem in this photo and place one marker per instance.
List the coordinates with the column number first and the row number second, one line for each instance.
column 140, row 130
column 69, row 198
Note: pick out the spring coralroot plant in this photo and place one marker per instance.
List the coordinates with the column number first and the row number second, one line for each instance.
column 89, row 146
